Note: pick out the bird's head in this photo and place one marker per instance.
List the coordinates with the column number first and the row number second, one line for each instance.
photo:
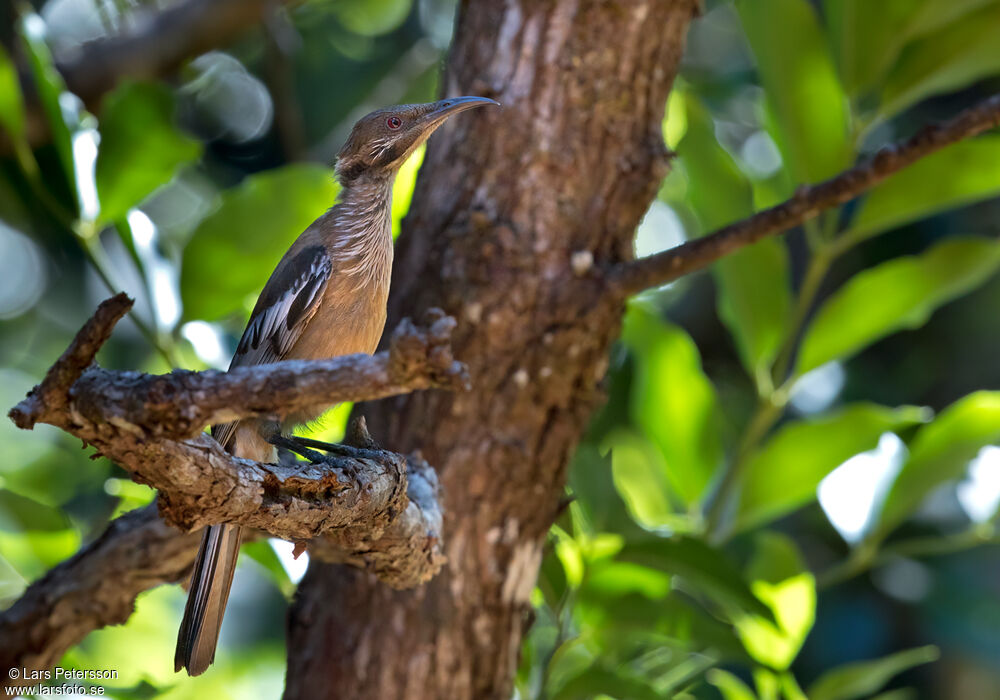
column 381, row 141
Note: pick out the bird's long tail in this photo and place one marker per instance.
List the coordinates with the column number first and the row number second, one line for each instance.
column 206, row 603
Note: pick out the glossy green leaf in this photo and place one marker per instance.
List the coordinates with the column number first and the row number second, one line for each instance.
column 862, row 679
column 140, row 149
column 595, row 681
column 779, row 578
column 11, row 101
column 50, row 86
column 253, row 226
column 808, row 108
column 706, row 569
column 673, row 401
column 940, row 452
column 610, row 579
column 640, row 476
column 946, row 60
column 784, row 473
column 960, row 174
column 866, row 37
column 754, row 298
column 729, row 686
column 901, row 293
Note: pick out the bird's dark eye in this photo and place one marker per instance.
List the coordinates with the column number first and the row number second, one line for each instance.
column 393, row 122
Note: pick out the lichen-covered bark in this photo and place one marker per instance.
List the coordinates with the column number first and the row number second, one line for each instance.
column 511, row 210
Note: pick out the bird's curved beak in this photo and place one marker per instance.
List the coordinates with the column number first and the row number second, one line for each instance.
column 451, row 106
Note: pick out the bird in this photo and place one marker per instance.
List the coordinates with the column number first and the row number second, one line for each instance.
column 326, row 297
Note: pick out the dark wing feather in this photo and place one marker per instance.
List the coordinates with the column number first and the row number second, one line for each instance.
column 289, row 300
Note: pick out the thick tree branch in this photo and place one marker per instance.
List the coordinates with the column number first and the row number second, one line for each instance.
column 151, row 426
column 182, row 403
column 377, row 510
column 96, row 587
column 808, row 201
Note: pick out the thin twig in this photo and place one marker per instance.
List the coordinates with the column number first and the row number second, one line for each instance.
column 807, row 202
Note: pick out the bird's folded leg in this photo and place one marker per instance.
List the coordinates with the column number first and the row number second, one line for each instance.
column 339, row 455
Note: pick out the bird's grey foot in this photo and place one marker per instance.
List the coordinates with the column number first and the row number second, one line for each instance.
column 342, row 456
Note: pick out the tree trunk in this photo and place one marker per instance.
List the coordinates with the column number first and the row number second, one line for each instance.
column 511, row 208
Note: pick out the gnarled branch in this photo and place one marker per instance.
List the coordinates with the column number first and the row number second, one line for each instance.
column 807, row 202
column 378, row 510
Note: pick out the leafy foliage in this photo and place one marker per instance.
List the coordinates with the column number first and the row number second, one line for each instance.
column 692, row 560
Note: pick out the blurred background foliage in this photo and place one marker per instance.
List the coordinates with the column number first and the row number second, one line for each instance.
column 792, row 491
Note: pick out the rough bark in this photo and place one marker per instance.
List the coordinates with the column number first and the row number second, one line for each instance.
column 509, row 211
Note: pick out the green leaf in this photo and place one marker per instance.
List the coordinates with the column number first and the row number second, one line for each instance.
column 955, row 176
column 807, row 106
column 262, row 553
column 754, row 300
column 141, row 147
column 952, row 58
column 784, row 473
column 940, row 452
column 21, row 514
column 864, row 678
column 867, row 37
column 705, row 568
column 673, row 401
column 247, row 235
column 50, row 86
column 932, row 15
column 729, row 686
column 373, row 17
column 596, row 681
column 901, row 293
column 640, row 476
column 11, row 101
column 780, row 579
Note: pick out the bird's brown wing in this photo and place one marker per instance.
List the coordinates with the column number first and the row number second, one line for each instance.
column 290, row 298
column 288, row 301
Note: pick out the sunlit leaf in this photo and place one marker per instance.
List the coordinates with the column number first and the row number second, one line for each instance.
column 780, row 579
column 640, row 476
column 11, row 101
column 957, row 55
column 960, row 174
column 569, row 554
column 807, row 105
column 754, row 298
column 940, row 452
column 784, row 473
column 901, row 293
column 402, row 189
column 373, row 17
column 50, row 86
column 707, row 569
column 729, row 686
column 673, row 401
column 263, row 553
column 253, row 226
column 616, row 578
column 141, row 147
column 861, row 679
